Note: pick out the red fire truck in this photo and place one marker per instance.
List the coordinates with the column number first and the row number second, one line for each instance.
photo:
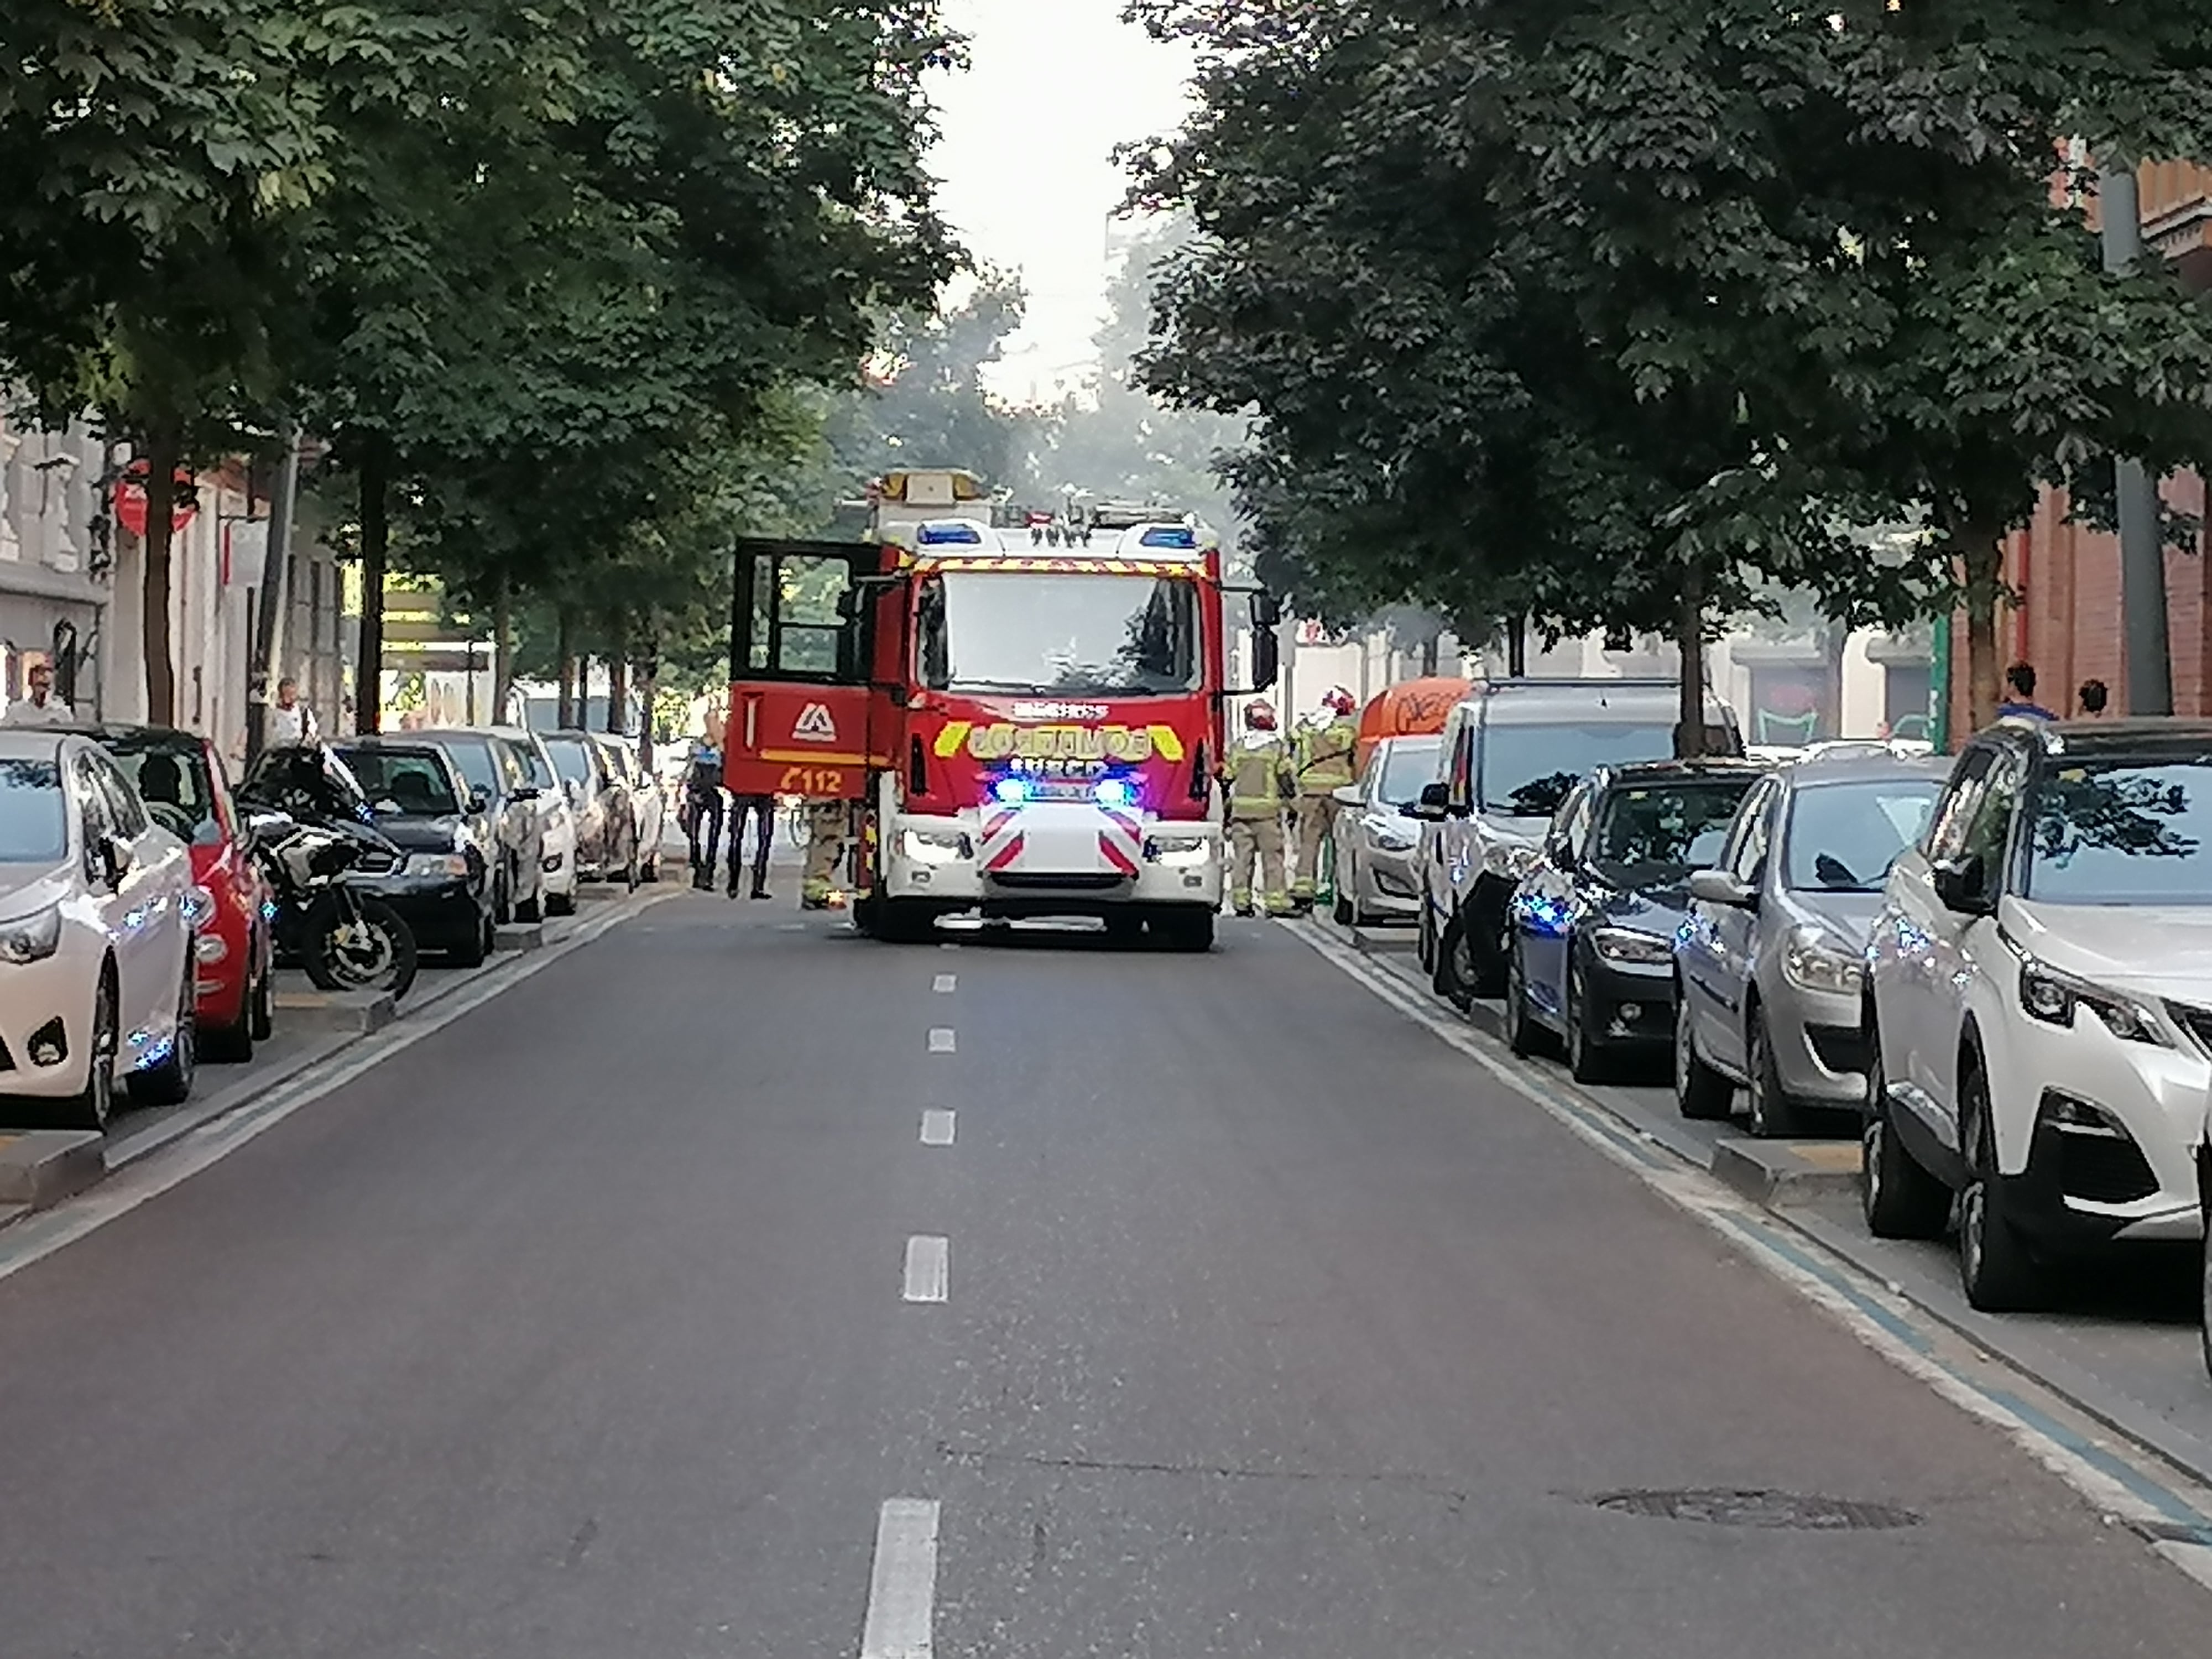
column 1021, row 734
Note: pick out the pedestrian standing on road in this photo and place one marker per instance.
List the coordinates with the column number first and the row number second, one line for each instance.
column 827, row 821
column 1324, row 765
column 2094, row 695
column 1257, row 775
column 702, row 814
column 291, row 722
column 2019, row 702
column 40, row 707
column 762, row 809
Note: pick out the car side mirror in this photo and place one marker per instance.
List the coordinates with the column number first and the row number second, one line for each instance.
column 1719, row 887
column 1349, row 796
column 479, row 800
column 1962, row 886
column 114, row 860
column 526, row 792
column 1431, row 806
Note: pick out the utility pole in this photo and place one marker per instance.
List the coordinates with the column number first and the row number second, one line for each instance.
column 269, row 624
column 2142, row 542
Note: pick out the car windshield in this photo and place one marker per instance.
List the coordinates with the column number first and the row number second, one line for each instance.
column 1526, row 770
column 33, row 819
column 472, row 759
column 1653, row 835
column 2123, row 832
column 1075, row 633
column 173, row 779
column 1410, row 763
column 403, row 782
column 1843, row 837
column 569, row 759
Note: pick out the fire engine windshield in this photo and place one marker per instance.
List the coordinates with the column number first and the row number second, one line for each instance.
column 1076, row 633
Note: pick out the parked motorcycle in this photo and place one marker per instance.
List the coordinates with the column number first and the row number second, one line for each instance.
column 346, row 940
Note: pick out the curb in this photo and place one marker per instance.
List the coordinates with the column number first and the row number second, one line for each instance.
column 40, row 1168
column 519, row 936
column 1383, row 941
column 1776, row 1173
column 359, row 1011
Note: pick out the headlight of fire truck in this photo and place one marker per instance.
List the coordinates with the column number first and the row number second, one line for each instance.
column 937, row 846
column 1179, row 852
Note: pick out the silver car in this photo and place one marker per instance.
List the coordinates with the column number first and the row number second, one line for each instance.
column 1377, row 846
column 1770, row 964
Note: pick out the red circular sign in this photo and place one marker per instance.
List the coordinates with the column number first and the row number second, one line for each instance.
column 130, row 501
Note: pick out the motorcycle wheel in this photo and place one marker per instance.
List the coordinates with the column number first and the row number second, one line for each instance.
column 365, row 946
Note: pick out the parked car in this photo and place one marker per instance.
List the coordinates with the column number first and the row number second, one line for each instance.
column 1768, row 970
column 1377, row 843
column 1512, row 750
column 556, row 819
column 606, row 823
column 443, row 886
column 181, row 778
column 2040, row 985
column 1591, row 957
column 648, row 805
column 97, row 910
column 497, row 776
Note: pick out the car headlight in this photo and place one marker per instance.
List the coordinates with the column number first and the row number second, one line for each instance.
column 937, row 846
column 32, row 938
column 1179, row 852
column 1511, row 859
column 435, row 864
column 1393, row 834
column 2052, row 997
column 1625, row 947
column 199, row 907
column 1814, row 961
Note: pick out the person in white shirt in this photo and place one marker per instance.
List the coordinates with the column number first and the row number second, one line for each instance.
column 291, row 722
column 41, row 706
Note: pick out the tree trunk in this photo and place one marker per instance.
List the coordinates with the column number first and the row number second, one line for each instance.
column 648, row 690
column 618, row 676
column 1982, row 558
column 1516, row 648
column 1690, row 641
column 375, row 559
column 502, row 645
column 1428, row 649
column 564, row 654
column 164, row 448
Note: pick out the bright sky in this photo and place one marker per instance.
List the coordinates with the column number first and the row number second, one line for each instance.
column 1026, row 161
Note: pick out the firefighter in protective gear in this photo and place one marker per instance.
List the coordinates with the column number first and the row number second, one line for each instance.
column 1325, row 764
column 1256, row 773
column 827, row 822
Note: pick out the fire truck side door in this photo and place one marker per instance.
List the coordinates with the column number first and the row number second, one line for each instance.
column 800, row 647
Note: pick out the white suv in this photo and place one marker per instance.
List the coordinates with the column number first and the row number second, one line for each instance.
column 2040, row 981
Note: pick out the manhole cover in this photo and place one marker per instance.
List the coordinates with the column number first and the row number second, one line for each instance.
column 1730, row 1507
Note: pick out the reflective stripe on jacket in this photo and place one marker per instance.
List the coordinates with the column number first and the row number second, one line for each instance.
column 1325, row 757
column 1257, row 776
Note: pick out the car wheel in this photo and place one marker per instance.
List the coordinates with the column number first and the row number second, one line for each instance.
column 1701, row 1093
column 533, row 907
column 2204, row 1278
column 170, row 1083
column 1996, row 1268
column 1453, row 979
column 473, row 954
column 1522, row 1034
column 561, row 904
column 630, row 865
column 95, row 1104
column 1425, row 947
column 1348, row 913
column 231, row 1044
column 261, row 1018
column 1773, row 1114
column 1898, row 1197
column 1189, row 929
column 502, row 901
column 1586, row 1059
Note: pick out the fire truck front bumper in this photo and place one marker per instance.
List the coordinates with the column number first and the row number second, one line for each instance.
column 1053, row 858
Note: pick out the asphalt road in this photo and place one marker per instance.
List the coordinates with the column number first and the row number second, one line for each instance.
column 581, row 1330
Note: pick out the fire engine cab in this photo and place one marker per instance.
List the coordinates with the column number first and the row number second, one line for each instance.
column 1022, row 732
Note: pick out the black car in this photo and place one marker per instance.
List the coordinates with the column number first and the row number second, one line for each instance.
column 444, row 886
column 1590, row 944
column 491, row 769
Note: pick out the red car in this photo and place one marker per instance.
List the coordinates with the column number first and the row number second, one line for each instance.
column 181, row 777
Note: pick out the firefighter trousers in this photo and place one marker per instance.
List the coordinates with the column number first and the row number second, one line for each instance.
column 827, row 822
column 1316, row 818
column 1257, row 840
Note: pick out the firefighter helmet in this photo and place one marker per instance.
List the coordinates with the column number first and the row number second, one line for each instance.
column 1260, row 715
column 1338, row 701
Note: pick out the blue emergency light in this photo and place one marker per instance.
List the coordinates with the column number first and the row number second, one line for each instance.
column 950, row 535
column 1010, row 791
column 1182, row 540
column 1114, row 792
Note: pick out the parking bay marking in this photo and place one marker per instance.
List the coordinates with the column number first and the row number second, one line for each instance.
column 946, row 984
column 936, row 1128
column 940, row 1039
column 902, row 1583
column 928, row 1268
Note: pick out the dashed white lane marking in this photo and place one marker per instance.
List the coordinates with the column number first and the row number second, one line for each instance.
column 937, row 1128
column 946, row 984
column 903, row 1586
column 940, row 1039
column 928, row 1267
column 950, row 944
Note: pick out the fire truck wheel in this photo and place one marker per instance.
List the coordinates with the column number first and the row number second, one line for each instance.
column 1187, row 929
column 905, row 921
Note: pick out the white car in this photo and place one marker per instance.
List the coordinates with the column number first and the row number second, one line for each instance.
column 2040, row 974
column 97, row 910
column 649, row 806
column 556, row 819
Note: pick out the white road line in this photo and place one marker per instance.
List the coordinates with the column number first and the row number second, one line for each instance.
column 946, row 984
column 937, row 1128
column 903, row 1585
column 940, row 1039
column 928, row 1267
